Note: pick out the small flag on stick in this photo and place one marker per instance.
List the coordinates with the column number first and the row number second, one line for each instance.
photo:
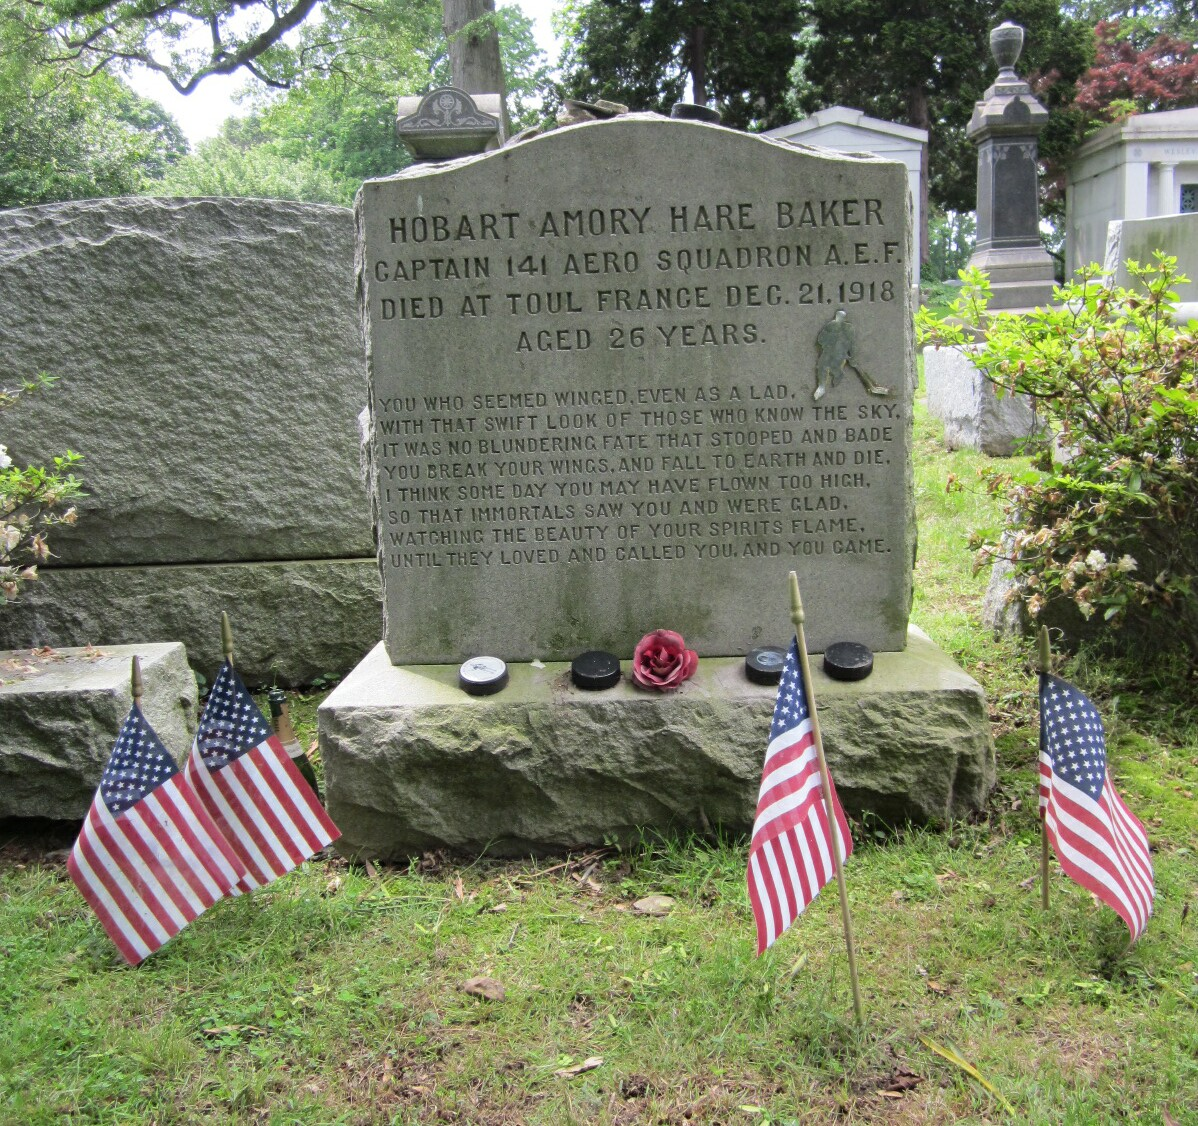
column 148, row 859
column 1100, row 844
column 790, row 856
column 257, row 797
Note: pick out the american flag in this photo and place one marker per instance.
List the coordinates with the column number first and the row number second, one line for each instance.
column 1098, row 841
column 790, row 855
column 148, row 859
column 265, row 809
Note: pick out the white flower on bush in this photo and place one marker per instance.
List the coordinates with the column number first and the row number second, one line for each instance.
column 5, row 460
column 1126, row 564
column 12, row 537
column 1096, row 560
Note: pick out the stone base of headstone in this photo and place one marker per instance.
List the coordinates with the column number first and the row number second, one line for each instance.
column 974, row 417
column 414, row 763
column 292, row 621
column 1021, row 278
column 61, row 711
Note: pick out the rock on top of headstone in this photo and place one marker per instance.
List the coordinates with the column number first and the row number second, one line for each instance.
column 627, row 375
column 211, row 375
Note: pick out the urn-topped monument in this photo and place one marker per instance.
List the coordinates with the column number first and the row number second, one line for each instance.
column 1004, row 126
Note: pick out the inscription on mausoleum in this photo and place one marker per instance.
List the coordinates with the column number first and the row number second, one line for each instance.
column 606, row 405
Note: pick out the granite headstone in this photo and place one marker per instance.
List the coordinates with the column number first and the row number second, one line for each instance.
column 629, row 374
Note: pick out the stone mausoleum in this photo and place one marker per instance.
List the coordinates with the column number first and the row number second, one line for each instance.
column 1135, row 169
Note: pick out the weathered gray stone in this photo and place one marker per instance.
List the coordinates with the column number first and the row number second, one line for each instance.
column 211, row 373
column 412, row 762
column 60, row 714
column 642, row 397
column 1004, row 126
column 292, row 621
column 1140, row 239
column 974, row 417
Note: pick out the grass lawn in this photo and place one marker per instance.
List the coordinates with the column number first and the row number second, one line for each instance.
column 338, row 994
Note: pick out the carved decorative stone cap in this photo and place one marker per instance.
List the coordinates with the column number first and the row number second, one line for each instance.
column 1008, row 108
column 1006, row 44
column 446, row 123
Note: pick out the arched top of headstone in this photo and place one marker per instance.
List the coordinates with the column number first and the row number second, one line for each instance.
column 447, row 123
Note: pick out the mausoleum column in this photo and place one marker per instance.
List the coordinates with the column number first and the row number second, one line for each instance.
column 1135, row 189
column 1166, row 190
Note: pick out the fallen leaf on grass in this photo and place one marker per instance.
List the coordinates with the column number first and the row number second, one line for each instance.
column 588, row 1064
column 1029, row 883
column 935, row 987
column 333, row 886
column 902, row 1080
column 486, row 987
column 969, row 1069
column 459, row 889
column 655, row 905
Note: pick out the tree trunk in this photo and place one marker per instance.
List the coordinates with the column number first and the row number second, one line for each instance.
column 917, row 115
column 698, row 64
column 474, row 58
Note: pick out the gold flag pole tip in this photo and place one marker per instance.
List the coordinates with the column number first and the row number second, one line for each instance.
column 848, row 660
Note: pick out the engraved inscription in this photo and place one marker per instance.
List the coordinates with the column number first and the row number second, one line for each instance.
column 592, row 395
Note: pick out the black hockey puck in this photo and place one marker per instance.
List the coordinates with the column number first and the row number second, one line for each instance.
column 764, row 665
column 594, row 670
column 481, row 676
column 847, row 660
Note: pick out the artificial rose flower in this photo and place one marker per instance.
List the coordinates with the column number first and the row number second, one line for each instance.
column 662, row 661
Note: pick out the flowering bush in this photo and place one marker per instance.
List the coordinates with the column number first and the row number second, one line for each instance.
column 1105, row 517
column 31, row 501
column 662, row 661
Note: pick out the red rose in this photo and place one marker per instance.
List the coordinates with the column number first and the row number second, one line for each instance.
column 662, row 661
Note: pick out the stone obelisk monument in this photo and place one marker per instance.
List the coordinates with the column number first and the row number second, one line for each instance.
column 1004, row 126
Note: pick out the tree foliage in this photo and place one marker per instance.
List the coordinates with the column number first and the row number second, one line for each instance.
column 63, row 136
column 1127, row 78
column 735, row 53
column 1104, row 518
column 925, row 64
column 335, row 127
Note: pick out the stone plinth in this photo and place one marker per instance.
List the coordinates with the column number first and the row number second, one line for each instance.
column 61, row 711
column 974, row 417
column 293, row 621
column 412, row 762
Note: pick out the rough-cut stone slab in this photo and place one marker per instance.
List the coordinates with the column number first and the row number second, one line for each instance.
column 630, row 373
column 974, row 417
column 61, row 711
column 412, row 762
column 1139, row 239
column 292, row 621
column 211, row 373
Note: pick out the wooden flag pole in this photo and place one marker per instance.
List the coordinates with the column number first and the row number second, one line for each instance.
column 1044, row 665
column 797, row 616
column 138, row 687
column 226, row 637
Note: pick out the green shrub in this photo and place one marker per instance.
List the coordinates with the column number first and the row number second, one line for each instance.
column 1105, row 518
column 32, row 500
